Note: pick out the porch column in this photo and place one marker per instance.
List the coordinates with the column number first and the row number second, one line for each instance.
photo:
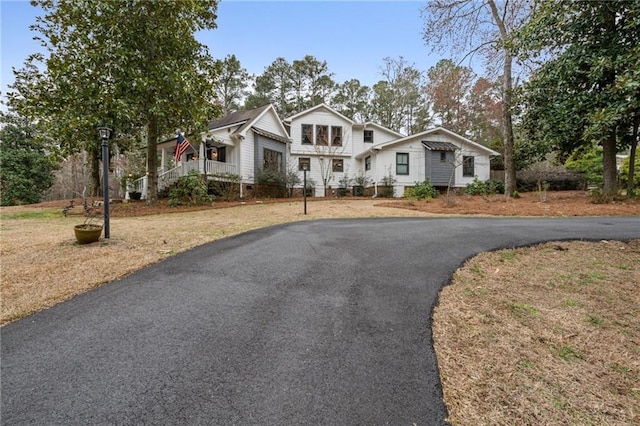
column 163, row 160
column 202, row 157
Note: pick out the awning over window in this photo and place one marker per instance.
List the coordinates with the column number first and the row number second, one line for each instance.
column 270, row 135
column 439, row 146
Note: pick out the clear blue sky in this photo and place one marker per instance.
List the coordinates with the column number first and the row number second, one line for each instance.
column 352, row 36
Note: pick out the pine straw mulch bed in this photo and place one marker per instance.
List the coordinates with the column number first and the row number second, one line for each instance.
column 548, row 335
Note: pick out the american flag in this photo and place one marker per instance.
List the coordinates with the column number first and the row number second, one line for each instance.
column 181, row 147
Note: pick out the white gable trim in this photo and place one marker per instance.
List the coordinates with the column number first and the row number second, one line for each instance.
column 319, row 106
column 462, row 139
column 249, row 125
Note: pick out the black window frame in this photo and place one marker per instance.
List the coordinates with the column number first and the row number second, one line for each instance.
column 468, row 161
column 443, row 156
column 302, row 161
column 366, row 134
column 337, row 165
column 322, row 131
column 267, row 165
column 336, row 129
column 305, row 139
column 400, row 155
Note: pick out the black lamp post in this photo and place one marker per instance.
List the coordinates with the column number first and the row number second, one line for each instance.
column 105, row 132
column 304, row 186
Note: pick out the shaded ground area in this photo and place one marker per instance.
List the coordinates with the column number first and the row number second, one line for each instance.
column 560, row 203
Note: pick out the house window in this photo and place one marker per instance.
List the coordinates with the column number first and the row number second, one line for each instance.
column 468, row 169
column 307, row 134
column 322, row 135
column 336, row 135
column 368, row 136
column 443, row 157
column 402, row 163
column 367, row 163
column 304, row 163
column 272, row 160
column 338, row 165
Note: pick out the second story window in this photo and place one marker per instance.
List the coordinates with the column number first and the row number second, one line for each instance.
column 307, row 134
column 368, row 136
column 322, row 135
column 336, row 135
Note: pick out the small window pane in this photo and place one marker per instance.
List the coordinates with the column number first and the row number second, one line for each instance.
column 367, row 163
column 322, row 137
column 307, row 134
column 338, row 165
column 368, row 136
column 304, row 163
column 468, row 166
column 336, row 135
column 402, row 163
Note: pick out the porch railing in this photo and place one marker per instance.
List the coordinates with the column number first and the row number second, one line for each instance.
column 168, row 178
column 213, row 167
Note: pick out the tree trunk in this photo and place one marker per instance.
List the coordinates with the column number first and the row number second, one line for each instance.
column 152, row 161
column 609, row 162
column 507, row 129
column 96, row 188
column 632, row 155
column 507, row 121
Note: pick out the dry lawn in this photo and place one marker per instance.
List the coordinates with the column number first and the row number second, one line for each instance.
column 542, row 335
column 548, row 335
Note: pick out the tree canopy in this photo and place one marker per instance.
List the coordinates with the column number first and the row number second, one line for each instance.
column 132, row 64
column 588, row 89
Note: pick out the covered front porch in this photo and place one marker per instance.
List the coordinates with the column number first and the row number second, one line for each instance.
column 207, row 158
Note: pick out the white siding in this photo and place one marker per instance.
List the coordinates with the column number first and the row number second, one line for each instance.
column 247, row 161
column 269, row 122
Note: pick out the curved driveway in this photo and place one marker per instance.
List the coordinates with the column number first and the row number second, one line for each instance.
column 323, row 322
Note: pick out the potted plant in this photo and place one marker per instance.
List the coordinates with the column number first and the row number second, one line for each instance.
column 88, row 232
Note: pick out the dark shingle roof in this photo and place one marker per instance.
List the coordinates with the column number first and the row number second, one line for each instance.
column 439, row 146
column 238, row 117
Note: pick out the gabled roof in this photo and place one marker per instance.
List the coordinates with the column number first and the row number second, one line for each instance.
column 315, row 108
column 238, row 117
column 247, row 119
column 370, row 124
column 427, row 133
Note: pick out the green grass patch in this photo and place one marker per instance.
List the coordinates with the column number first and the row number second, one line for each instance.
column 507, row 255
column 566, row 353
column 43, row 214
column 520, row 309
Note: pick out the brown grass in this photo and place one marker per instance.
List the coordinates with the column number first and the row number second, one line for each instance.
column 548, row 335
column 542, row 335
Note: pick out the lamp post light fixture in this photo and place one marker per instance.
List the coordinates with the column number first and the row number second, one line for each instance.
column 105, row 132
column 305, row 167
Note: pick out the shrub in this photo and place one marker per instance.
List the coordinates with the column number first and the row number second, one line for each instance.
column 190, row 190
column 478, row 187
column 225, row 185
column 422, row 190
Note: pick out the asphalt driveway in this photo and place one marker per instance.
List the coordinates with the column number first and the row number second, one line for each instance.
column 323, row 322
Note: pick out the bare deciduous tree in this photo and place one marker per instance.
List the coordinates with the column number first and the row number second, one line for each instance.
column 467, row 27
